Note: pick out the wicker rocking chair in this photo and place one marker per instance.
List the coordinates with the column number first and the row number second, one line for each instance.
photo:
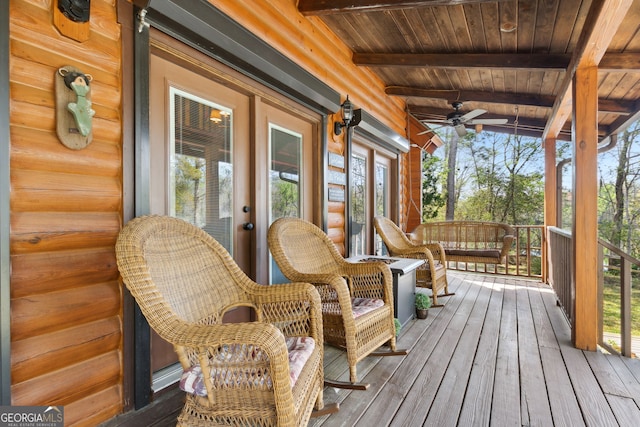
column 357, row 298
column 234, row 373
column 432, row 274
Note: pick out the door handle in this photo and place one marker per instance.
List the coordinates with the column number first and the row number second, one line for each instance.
column 247, row 226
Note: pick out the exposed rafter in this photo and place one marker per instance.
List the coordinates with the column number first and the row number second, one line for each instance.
column 623, row 62
column 465, row 60
column 604, row 105
column 328, row 7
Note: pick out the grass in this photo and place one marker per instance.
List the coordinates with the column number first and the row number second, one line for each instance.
column 611, row 306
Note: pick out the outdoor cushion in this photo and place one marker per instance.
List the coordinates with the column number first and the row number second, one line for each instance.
column 363, row 306
column 298, row 348
column 490, row 253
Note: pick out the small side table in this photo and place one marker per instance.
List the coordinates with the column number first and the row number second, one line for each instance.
column 403, row 271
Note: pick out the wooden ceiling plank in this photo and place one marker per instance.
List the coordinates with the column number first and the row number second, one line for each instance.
column 591, row 47
column 330, row 7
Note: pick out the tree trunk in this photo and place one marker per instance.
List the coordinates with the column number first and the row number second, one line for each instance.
column 621, row 174
column 451, row 177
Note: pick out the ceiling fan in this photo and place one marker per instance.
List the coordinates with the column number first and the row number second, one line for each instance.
column 458, row 120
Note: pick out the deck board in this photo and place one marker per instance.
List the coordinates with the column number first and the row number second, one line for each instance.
column 476, row 408
column 498, row 353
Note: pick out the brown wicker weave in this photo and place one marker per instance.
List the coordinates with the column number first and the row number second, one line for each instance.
column 305, row 253
column 432, row 274
column 184, row 281
column 468, row 241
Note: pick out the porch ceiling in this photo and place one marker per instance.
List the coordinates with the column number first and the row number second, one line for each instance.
column 512, row 58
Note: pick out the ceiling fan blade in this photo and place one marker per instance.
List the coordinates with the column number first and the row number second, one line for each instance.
column 472, row 114
column 488, row 122
column 460, row 130
column 427, row 121
column 430, row 130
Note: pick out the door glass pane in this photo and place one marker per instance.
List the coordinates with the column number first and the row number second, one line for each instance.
column 284, row 180
column 358, row 204
column 382, row 205
column 200, row 167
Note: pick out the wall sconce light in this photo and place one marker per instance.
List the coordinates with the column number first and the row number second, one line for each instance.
column 347, row 114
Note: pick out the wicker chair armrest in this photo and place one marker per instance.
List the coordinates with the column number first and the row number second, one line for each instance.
column 203, row 341
column 377, row 275
column 421, row 252
column 282, row 300
column 437, row 250
column 507, row 241
column 335, row 281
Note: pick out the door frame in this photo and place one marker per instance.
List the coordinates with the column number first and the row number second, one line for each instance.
column 233, row 46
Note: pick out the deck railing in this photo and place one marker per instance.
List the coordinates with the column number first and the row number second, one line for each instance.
column 620, row 331
column 617, row 273
column 559, row 274
column 526, row 257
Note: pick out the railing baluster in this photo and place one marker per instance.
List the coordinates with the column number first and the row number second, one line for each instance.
column 625, row 309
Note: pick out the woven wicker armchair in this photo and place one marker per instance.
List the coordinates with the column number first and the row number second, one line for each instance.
column 432, row 274
column 305, row 253
column 234, row 373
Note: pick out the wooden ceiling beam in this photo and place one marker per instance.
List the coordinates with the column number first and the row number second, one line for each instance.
column 623, row 62
column 498, row 61
column 612, row 106
column 470, row 95
column 590, row 49
column 332, row 7
column 610, row 62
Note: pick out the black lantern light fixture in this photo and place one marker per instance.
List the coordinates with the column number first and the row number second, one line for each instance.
column 347, row 115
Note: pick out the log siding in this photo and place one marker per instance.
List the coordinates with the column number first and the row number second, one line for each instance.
column 65, row 214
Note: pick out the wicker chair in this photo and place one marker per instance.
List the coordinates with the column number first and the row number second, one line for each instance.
column 234, row 373
column 432, row 274
column 305, row 253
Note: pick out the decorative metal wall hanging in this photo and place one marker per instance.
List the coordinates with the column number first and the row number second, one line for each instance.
column 74, row 116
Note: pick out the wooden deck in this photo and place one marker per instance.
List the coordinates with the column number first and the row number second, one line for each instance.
column 497, row 354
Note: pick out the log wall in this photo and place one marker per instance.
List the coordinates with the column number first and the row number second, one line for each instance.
column 66, row 209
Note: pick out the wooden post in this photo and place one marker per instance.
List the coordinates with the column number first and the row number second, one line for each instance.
column 550, row 196
column 585, row 208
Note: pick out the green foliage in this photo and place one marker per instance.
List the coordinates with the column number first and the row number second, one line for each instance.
column 190, row 189
column 618, row 201
column 433, row 197
column 423, row 301
column 398, row 326
column 499, row 178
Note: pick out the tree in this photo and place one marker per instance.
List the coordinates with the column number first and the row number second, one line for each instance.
column 451, row 176
column 618, row 202
column 432, row 196
column 506, row 183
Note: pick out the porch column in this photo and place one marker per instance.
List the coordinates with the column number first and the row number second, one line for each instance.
column 585, row 208
column 550, row 182
column 550, row 196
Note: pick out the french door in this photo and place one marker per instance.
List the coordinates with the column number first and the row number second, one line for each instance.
column 372, row 172
column 228, row 160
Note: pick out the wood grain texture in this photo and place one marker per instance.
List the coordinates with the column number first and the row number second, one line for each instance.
column 66, row 210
